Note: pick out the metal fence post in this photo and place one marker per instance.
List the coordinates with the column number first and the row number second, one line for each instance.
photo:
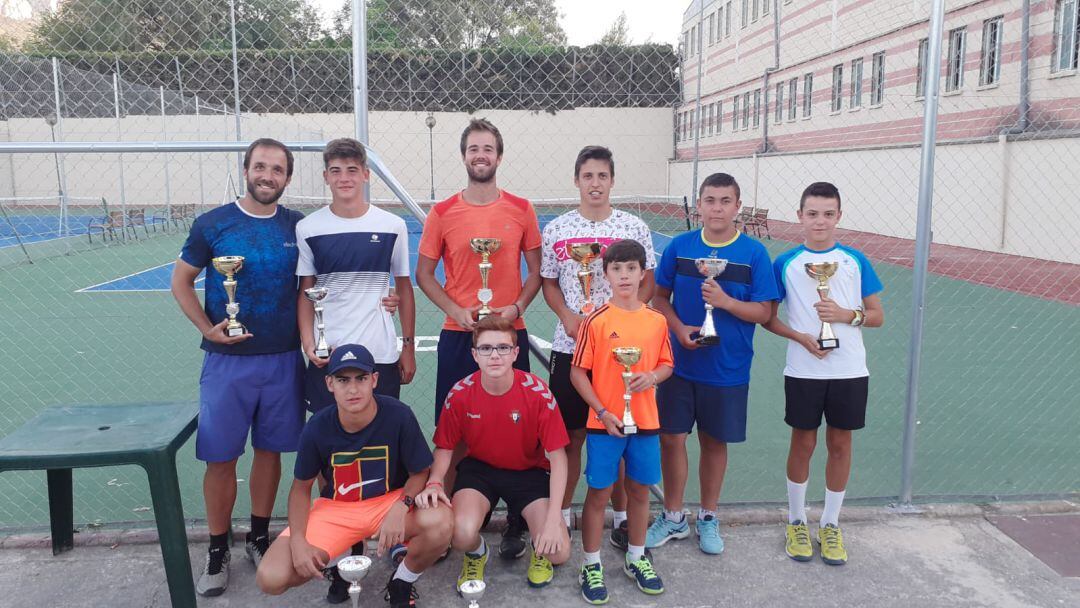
column 360, row 77
column 697, row 103
column 922, row 247
column 165, row 137
column 120, row 137
column 61, row 170
column 236, row 88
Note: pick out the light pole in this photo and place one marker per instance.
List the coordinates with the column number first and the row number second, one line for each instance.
column 430, row 122
column 51, row 120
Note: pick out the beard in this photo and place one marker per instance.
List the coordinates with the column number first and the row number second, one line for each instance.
column 482, row 175
column 262, row 198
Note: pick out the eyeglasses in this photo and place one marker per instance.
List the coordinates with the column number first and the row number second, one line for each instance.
column 485, row 350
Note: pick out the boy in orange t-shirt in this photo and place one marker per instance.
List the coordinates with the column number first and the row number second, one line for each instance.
column 623, row 322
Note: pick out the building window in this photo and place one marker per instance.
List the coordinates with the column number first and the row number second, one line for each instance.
column 745, row 15
column 877, row 79
column 1066, row 36
column 779, row 102
column 706, row 121
column 920, row 71
column 746, row 110
column 807, row 95
column 727, row 19
column 719, row 116
column 757, row 107
column 712, row 29
column 735, row 113
column 765, row 6
column 837, row 87
column 754, row 16
column 990, row 65
column 792, row 98
column 856, row 84
column 954, row 75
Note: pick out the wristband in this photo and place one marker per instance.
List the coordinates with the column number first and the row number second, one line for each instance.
column 408, row 340
column 433, row 483
column 518, row 309
column 600, row 414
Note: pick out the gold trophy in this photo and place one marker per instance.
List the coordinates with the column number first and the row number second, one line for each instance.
column 584, row 253
column 709, row 268
column 229, row 265
column 485, row 246
column 823, row 271
column 627, row 356
column 316, row 295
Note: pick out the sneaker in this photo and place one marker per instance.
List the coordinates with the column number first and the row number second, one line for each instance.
column 832, row 545
column 400, row 594
column 215, row 575
column 398, row 553
column 256, row 548
column 708, row 532
column 662, row 530
column 620, row 537
column 472, row 569
column 540, row 571
column 643, row 574
column 593, row 588
column 338, row 593
column 798, row 546
column 513, row 543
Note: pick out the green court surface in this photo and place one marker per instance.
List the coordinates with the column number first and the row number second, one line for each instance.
column 998, row 413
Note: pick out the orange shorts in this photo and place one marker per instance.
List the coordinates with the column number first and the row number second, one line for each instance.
column 335, row 525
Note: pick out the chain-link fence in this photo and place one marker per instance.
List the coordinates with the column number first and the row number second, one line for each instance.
column 779, row 93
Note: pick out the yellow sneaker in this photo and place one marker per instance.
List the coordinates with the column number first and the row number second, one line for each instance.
column 472, row 569
column 798, row 545
column 540, row 571
column 832, row 545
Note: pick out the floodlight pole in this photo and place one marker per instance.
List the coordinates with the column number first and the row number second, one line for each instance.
column 236, row 92
column 120, row 137
column 922, row 248
column 165, row 137
column 57, row 126
column 697, row 103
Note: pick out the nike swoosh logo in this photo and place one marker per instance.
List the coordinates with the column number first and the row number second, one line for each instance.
column 345, row 489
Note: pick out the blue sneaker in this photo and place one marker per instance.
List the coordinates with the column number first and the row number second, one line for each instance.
column 593, row 588
column 708, row 532
column 643, row 574
column 663, row 530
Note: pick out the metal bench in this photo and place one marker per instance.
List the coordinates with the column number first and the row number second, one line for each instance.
column 63, row 438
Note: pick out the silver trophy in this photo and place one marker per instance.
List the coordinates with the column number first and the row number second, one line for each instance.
column 316, row 296
column 709, row 268
column 353, row 569
column 472, row 591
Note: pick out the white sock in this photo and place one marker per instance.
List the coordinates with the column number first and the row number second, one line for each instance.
column 405, row 574
column 480, row 550
column 703, row 514
column 831, row 513
column 796, row 501
column 617, row 517
column 634, row 552
column 675, row 517
column 566, row 517
column 591, row 558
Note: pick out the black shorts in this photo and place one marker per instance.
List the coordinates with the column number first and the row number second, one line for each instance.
column 455, row 361
column 575, row 412
column 842, row 401
column 318, row 396
column 518, row 489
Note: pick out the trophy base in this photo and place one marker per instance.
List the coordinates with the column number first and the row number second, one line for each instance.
column 704, row 340
column 322, row 353
column 828, row 344
column 232, row 332
column 629, row 429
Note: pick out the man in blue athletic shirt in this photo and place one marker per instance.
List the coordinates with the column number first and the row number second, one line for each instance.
column 254, row 380
column 711, row 383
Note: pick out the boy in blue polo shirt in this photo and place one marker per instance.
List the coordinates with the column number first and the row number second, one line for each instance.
column 711, row 382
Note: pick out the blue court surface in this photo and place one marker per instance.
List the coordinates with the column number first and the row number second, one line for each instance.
column 158, row 277
column 37, row 228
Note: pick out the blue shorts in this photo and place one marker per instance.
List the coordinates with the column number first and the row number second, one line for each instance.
column 641, row 452
column 720, row 411
column 455, row 361
column 263, row 393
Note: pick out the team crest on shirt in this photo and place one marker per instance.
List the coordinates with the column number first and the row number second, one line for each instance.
column 361, row 475
column 515, row 416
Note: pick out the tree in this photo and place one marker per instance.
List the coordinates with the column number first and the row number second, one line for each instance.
column 618, row 34
column 154, row 25
column 456, row 24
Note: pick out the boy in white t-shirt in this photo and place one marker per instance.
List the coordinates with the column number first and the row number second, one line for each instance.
column 823, row 377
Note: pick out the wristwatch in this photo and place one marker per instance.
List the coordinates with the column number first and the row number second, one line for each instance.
column 859, row 317
column 408, row 501
column 407, row 340
column 600, row 414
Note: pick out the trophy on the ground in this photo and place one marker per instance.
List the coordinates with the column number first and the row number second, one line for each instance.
column 627, row 356
column 229, row 265
column 709, row 268
column 316, row 296
column 585, row 253
column 485, row 246
column 823, row 271
column 353, row 569
column 472, row 591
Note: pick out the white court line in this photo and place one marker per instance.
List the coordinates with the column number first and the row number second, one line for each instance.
column 128, row 276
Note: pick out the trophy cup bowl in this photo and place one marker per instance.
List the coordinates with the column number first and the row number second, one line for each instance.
column 316, row 295
column 229, row 265
column 584, row 254
column 353, row 569
column 485, row 246
column 708, row 268
column 472, row 591
column 822, row 272
column 627, row 356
